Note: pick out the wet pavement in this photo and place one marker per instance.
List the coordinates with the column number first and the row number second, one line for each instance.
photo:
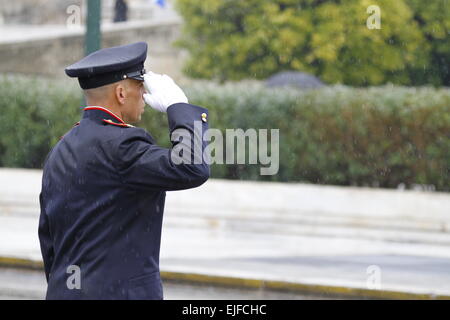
column 232, row 239
column 340, row 262
column 20, row 284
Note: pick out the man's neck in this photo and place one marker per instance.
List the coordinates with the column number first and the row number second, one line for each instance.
column 110, row 107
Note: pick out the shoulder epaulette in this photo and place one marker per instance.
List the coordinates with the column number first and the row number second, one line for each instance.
column 76, row 124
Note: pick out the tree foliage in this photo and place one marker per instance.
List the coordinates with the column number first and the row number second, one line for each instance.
column 433, row 17
column 235, row 39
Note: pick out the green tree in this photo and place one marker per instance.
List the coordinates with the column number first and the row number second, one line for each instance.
column 433, row 18
column 234, row 39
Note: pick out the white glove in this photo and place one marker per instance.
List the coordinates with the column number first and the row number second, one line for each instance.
column 162, row 91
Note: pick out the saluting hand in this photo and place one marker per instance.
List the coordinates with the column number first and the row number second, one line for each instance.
column 162, row 91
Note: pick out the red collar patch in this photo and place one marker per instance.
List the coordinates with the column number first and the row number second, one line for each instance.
column 107, row 111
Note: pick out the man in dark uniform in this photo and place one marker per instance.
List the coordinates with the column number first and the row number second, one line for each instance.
column 104, row 182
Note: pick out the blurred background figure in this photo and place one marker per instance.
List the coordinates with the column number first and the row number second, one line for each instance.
column 161, row 3
column 120, row 11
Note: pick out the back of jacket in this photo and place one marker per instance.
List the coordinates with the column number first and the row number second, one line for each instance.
column 102, row 205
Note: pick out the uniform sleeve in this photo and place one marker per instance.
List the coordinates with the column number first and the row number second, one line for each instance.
column 144, row 165
column 45, row 240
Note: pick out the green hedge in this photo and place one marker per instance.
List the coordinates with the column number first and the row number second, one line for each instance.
column 379, row 136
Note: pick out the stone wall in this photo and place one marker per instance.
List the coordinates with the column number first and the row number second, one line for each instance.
column 35, row 11
column 39, row 12
column 49, row 52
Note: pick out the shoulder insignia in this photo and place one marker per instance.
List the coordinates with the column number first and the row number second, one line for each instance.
column 123, row 125
column 76, row 124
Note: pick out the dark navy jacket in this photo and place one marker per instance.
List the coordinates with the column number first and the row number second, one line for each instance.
column 102, row 205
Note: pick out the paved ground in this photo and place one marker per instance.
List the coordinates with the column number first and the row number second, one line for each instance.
column 308, row 260
column 18, row 284
column 213, row 248
column 313, row 260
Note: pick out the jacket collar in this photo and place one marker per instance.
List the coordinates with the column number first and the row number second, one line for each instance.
column 100, row 114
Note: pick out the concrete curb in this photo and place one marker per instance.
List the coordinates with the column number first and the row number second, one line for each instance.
column 317, row 290
column 20, row 263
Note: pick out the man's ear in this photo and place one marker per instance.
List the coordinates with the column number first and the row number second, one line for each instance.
column 120, row 93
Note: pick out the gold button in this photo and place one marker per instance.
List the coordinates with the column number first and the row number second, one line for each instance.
column 204, row 117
